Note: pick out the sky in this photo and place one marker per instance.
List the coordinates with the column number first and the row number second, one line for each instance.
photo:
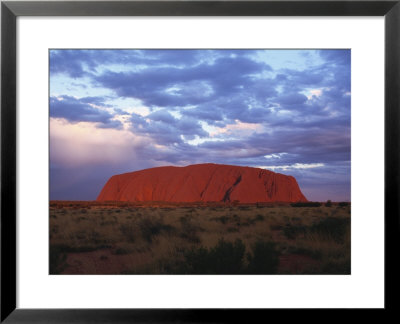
column 117, row 111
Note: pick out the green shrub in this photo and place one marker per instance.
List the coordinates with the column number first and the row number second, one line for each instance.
column 332, row 228
column 189, row 230
column 121, row 251
column 150, row 227
column 96, row 238
column 64, row 248
column 328, row 203
column 264, row 259
column 57, row 259
column 293, row 231
column 222, row 219
column 224, row 258
column 315, row 254
column 306, row 204
column 275, row 227
column 127, row 231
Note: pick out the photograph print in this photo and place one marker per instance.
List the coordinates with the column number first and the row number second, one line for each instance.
column 200, row 161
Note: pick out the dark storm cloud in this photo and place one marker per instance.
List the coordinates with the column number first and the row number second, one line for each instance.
column 77, row 110
column 291, row 99
column 79, row 63
column 340, row 56
column 309, row 145
column 173, row 86
column 207, row 112
column 163, row 116
column 99, row 101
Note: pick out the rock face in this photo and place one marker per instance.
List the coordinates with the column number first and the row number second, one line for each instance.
column 202, row 182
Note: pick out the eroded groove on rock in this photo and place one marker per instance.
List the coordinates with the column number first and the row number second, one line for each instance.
column 228, row 192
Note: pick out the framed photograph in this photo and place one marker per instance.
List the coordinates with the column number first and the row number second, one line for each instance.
column 197, row 160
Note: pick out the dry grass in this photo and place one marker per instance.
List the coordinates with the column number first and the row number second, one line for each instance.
column 90, row 238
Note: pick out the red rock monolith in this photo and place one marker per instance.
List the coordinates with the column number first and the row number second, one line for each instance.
column 202, row 182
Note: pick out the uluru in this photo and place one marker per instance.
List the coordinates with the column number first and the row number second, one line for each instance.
column 202, row 183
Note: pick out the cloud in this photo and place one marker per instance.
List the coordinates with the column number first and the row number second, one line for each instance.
column 292, row 99
column 275, row 155
column 339, row 56
column 174, row 86
column 165, row 129
column 161, row 116
column 178, row 107
column 293, row 166
column 84, row 109
column 79, row 63
column 207, row 113
column 237, row 128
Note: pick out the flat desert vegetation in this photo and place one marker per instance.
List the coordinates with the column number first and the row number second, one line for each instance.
column 118, row 238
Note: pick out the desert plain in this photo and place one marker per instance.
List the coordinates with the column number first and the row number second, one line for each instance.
column 92, row 237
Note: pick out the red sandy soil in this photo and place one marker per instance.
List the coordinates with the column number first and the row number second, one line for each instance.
column 296, row 263
column 103, row 262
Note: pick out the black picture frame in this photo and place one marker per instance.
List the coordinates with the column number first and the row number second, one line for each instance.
column 10, row 10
